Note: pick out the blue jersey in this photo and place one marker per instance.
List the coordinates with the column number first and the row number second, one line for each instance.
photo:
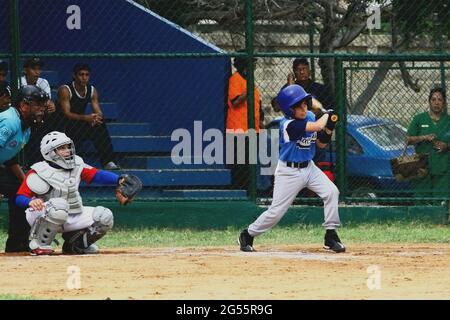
column 12, row 137
column 297, row 145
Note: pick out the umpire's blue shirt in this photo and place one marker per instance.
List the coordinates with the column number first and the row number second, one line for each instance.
column 12, row 137
column 297, row 145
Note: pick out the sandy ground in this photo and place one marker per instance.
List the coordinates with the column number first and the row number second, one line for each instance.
column 388, row 271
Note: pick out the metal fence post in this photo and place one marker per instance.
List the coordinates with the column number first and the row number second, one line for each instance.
column 14, row 25
column 341, row 179
column 15, row 45
column 311, row 30
column 250, row 88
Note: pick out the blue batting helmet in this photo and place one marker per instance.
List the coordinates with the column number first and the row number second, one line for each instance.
column 290, row 96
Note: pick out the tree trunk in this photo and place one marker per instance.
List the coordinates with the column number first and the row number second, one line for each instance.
column 372, row 87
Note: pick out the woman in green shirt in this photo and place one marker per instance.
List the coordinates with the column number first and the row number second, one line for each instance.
column 430, row 133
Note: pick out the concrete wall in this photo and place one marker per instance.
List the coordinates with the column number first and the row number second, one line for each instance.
column 393, row 99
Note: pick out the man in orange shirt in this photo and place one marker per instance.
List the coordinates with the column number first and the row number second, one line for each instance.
column 237, row 113
column 237, row 117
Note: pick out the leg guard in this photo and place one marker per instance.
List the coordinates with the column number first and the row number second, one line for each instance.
column 45, row 228
column 81, row 241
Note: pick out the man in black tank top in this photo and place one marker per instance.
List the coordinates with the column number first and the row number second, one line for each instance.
column 72, row 101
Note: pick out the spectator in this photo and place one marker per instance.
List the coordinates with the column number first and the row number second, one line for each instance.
column 73, row 99
column 3, row 70
column 301, row 75
column 430, row 133
column 15, row 126
column 237, row 118
column 5, row 95
column 32, row 69
column 237, row 113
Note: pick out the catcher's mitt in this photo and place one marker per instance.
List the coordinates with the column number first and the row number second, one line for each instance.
column 412, row 167
column 127, row 188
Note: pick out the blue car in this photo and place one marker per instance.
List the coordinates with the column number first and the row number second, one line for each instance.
column 371, row 143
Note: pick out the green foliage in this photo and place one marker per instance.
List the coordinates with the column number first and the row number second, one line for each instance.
column 171, row 10
column 422, row 17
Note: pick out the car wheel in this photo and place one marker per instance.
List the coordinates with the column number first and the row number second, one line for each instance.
column 362, row 192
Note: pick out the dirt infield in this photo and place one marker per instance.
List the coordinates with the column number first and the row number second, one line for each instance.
column 391, row 271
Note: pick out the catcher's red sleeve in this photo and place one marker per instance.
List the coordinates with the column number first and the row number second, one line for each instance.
column 24, row 190
column 88, row 174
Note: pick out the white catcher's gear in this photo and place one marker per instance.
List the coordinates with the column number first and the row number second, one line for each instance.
column 46, row 227
column 82, row 241
column 64, row 183
column 53, row 140
column 37, row 184
column 103, row 220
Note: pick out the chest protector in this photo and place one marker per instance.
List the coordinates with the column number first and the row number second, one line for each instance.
column 64, row 183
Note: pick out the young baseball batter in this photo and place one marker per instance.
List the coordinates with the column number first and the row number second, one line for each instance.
column 50, row 192
column 300, row 134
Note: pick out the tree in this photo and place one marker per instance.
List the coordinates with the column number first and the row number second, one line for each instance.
column 338, row 22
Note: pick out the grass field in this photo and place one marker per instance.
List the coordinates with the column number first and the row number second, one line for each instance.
column 397, row 232
column 15, row 297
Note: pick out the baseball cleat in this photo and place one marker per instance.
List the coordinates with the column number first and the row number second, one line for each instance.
column 42, row 251
column 246, row 241
column 332, row 242
column 92, row 249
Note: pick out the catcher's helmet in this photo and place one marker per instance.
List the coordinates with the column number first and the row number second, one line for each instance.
column 31, row 93
column 290, row 96
column 50, row 142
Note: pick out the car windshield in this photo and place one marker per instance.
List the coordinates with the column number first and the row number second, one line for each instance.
column 387, row 136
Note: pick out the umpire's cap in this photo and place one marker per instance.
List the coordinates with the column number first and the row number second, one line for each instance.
column 31, row 93
column 290, row 96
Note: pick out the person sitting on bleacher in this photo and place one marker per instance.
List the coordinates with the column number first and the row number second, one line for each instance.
column 73, row 99
column 32, row 69
column 3, row 70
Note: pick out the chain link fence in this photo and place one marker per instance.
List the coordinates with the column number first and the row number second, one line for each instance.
column 161, row 72
column 381, row 105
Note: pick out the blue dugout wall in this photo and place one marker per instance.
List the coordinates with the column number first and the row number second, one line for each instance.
column 166, row 93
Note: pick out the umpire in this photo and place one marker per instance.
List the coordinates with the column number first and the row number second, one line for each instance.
column 15, row 124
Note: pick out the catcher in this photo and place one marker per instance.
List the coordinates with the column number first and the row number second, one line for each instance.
column 50, row 192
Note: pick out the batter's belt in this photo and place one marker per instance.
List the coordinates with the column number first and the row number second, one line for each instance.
column 299, row 165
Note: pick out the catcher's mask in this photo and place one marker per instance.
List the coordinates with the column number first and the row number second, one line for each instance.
column 291, row 96
column 52, row 141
